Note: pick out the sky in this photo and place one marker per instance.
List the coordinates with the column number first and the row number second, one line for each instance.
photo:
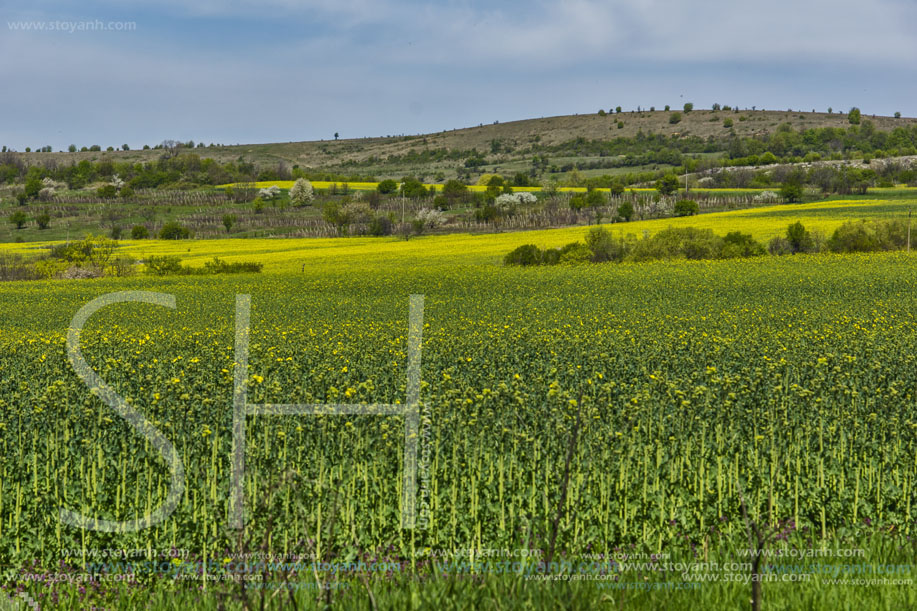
column 138, row 72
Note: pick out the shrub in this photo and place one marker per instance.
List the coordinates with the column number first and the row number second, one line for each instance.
column 674, row 118
column 799, row 238
column 862, row 236
column 126, row 192
column 218, row 266
column 853, row 117
column 626, row 211
column 575, row 253
column 115, row 232
column 779, row 246
column 387, row 186
column 228, row 221
column 269, row 193
column 380, row 225
column 139, row 232
column 679, row 242
column 528, row 254
column 163, row 265
column 727, row 122
column 686, row 207
column 688, row 106
column 43, row 220
column 107, row 191
column 738, row 244
column 174, row 231
column 791, row 191
column 604, row 246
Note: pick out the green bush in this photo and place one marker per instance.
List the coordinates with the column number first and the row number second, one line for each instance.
column 174, row 231
column 799, row 238
column 387, row 186
column 604, row 246
column 686, row 207
column 19, row 219
column 43, row 220
column 527, row 254
column 626, row 211
column 380, row 225
column 679, row 243
column 738, row 244
column 863, row 236
column 139, row 232
column 107, row 191
column 163, row 265
column 674, row 118
column 575, row 253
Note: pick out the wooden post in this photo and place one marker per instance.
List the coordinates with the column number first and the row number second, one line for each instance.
column 909, row 231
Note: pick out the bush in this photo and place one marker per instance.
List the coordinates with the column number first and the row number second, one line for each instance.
column 604, row 246
column 139, row 232
column 738, row 244
column 115, row 232
column 43, row 220
column 107, row 191
column 126, row 192
column 799, row 238
column 163, row 265
column 174, row 231
column 380, row 225
column 677, row 243
column 863, row 236
column 528, row 254
column 674, row 118
column 853, row 117
column 387, row 186
column 727, row 122
column 626, row 211
column 575, row 253
column 686, row 207
column 779, row 246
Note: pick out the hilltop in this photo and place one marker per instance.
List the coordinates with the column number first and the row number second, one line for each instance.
column 510, row 144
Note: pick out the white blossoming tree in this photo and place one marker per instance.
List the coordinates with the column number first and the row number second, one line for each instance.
column 302, row 193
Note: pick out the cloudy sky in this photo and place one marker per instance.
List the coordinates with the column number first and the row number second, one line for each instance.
column 242, row 71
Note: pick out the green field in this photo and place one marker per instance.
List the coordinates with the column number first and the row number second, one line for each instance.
column 596, row 409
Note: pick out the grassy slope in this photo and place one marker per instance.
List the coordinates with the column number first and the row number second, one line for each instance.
column 550, row 130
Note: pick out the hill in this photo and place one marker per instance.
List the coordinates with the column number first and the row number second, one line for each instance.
column 507, row 146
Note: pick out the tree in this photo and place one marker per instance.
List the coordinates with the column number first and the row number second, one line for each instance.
column 43, row 220
column 336, row 135
column 228, row 221
column 618, row 109
column 72, row 148
column 626, row 211
column 125, row 147
column 174, row 231
column 853, row 117
column 667, row 185
column 19, row 219
column 689, row 106
column 302, row 192
column 897, row 115
column 674, row 118
column 33, row 187
column 668, row 108
column 139, row 232
column 387, row 186
column 791, row 190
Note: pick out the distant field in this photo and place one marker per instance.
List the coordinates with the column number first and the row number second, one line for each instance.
column 281, row 255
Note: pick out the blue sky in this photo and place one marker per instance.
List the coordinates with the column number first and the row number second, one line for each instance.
column 246, row 71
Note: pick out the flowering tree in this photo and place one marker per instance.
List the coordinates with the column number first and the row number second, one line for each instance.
column 269, row 192
column 302, row 192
